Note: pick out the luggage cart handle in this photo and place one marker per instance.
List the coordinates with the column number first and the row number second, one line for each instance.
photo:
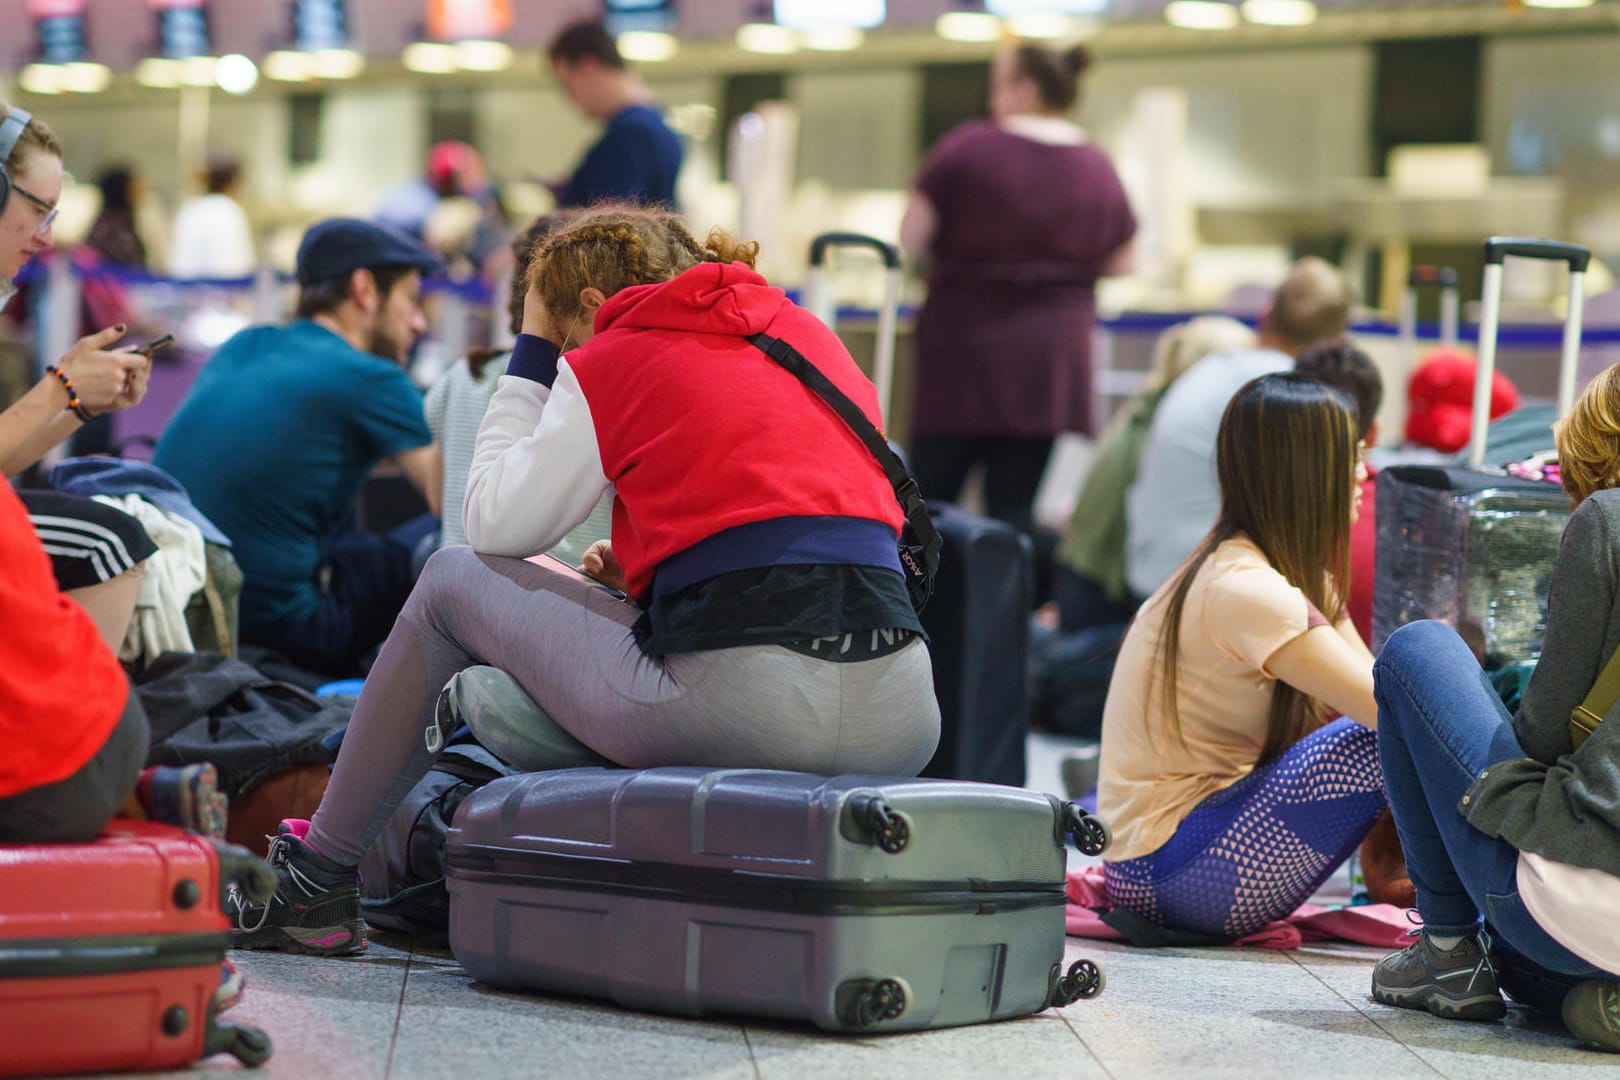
column 1443, row 276
column 819, row 246
column 1498, row 248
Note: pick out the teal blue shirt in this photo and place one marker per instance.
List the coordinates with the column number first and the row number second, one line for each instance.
column 279, row 431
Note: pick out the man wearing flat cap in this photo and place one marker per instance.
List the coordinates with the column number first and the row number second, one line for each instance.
column 284, row 424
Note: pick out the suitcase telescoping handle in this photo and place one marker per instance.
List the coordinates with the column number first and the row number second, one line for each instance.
column 1497, row 249
column 818, row 298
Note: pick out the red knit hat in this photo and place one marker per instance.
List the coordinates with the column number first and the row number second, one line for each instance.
column 1440, row 399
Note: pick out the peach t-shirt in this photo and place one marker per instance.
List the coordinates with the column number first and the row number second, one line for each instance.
column 1239, row 612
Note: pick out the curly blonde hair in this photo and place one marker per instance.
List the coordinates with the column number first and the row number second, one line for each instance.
column 1588, row 439
column 613, row 247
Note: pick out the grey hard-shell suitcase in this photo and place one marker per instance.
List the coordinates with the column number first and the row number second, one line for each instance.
column 1474, row 547
column 858, row 903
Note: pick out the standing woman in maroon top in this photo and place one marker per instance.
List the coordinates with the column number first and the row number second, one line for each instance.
column 1015, row 218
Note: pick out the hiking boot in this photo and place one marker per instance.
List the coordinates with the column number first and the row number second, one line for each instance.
column 316, row 906
column 1455, row 984
column 1592, row 1013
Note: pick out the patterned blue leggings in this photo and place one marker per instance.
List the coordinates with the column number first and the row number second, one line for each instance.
column 1251, row 854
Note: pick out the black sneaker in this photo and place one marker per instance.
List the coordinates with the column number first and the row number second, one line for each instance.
column 316, row 906
column 1456, row 984
column 1592, row 1013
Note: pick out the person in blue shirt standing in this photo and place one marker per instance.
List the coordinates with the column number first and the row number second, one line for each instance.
column 637, row 157
column 284, row 424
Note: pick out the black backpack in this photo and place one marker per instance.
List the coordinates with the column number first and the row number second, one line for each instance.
column 209, row 707
column 402, row 876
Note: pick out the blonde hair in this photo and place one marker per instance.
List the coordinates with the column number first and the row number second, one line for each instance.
column 1184, row 344
column 1588, row 439
column 35, row 138
column 613, row 247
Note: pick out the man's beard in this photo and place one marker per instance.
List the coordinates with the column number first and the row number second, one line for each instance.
column 385, row 345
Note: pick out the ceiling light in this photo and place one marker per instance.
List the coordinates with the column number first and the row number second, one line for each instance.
column 1008, row 8
column 430, row 58
column 41, row 79
column 968, row 26
column 289, row 65
column 833, row 38
column 1201, row 15
column 1558, row 3
column 646, row 46
column 337, row 63
column 767, row 38
column 803, row 14
column 158, row 72
column 1280, row 12
column 236, row 74
column 84, row 77
column 1042, row 24
column 483, row 55
column 198, row 71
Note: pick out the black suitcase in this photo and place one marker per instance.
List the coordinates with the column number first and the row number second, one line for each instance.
column 978, row 630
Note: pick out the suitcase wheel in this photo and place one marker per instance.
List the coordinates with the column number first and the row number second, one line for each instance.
column 867, row 1003
column 1089, row 832
column 248, row 1045
column 876, row 822
column 1083, row 980
column 240, row 867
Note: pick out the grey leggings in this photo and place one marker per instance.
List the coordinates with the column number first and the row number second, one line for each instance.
column 567, row 640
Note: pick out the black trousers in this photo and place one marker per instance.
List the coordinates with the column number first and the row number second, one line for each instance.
column 75, row 809
column 1012, row 472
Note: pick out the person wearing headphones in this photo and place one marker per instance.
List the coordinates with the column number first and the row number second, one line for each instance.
column 95, row 551
column 75, row 734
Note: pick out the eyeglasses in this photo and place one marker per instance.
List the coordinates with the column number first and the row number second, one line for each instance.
column 47, row 212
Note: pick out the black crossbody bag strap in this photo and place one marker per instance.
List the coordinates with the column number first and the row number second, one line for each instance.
column 919, row 560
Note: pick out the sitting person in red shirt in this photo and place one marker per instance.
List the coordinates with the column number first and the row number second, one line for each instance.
column 75, row 734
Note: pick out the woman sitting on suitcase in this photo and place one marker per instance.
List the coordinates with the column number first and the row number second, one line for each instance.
column 1504, row 817
column 1230, row 799
column 74, row 732
column 770, row 626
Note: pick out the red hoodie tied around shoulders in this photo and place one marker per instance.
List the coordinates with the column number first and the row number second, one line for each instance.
column 700, row 431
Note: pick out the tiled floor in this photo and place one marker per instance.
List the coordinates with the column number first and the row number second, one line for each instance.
column 407, row 1013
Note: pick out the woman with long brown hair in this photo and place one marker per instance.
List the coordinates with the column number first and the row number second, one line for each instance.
column 1232, row 794
column 767, row 623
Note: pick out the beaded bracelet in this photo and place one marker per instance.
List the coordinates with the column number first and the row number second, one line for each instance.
column 74, row 404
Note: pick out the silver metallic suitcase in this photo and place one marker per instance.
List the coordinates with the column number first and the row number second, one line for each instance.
column 858, row 903
column 1474, row 547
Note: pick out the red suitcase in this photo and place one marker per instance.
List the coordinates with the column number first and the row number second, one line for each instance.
column 110, row 951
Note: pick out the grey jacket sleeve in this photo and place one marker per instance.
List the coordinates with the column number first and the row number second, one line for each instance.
column 1583, row 627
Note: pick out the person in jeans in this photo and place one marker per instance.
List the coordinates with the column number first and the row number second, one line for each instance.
column 1502, row 818
column 1231, row 800
column 767, row 623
